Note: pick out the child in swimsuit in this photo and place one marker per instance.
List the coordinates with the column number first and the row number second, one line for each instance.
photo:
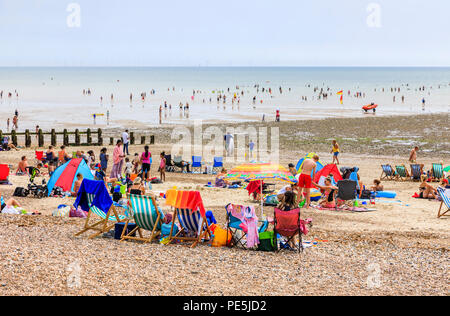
column 162, row 167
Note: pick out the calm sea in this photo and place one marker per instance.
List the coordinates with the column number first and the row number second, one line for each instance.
column 54, row 96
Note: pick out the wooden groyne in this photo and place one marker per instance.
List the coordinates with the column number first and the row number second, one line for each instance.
column 75, row 138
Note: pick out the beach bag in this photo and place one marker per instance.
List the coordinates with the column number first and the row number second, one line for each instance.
column 62, row 211
column 220, row 237
column 77, row 212
column 266, row 241
column 20, row 192
column 117, row 196
column 366, row 194
column 156, row 181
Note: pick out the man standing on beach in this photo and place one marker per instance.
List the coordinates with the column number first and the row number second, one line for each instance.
column 125, row 139
column 413, row 155
column 305, row 179
column 251, row 146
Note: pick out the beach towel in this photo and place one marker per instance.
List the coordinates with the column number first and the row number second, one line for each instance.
column 102, row 198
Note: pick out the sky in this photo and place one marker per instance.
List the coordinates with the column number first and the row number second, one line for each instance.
column 224, row 33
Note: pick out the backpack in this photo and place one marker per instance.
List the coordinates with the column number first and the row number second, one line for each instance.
column 366, row 194
column 21, row 192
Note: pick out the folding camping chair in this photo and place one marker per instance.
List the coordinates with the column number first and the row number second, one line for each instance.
column 4, row 174
column 94, row 198
column 388, row 173
column 402, row 173
column 218, row 164
column 39, row 156
column 346, row 191
column 437, row 172
column 170, row 167
column 178, row 163
column 445, row 196
column 416, row 172
column 238, row 236
column 196, row 164
column 194, row 225
column 147, row 216
column 287, row 224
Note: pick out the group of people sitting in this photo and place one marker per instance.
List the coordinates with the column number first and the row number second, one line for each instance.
column 427, row 191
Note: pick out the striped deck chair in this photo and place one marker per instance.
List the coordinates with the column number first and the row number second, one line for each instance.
column 194, row 226
column 402, row 173
column 388, row 173
column 445, row 196
column 416, row 172
column 108, row 218
column 437, row 172
column 146, row 215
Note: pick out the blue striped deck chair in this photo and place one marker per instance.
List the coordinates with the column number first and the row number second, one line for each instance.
column 445, row 196
column 194, row 227
column 218, row 164
column 146, row 215
column 437, row 172
column 416, row 172
column 238, row 236
column 93, row 197
column 402, row 173
column 196, row 164
column 388, row 173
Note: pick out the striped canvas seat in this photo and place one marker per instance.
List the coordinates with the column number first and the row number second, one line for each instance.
column 388, row 172
column 190, row 221
column 147, row 216
column 438, row 171
column 445, row 196
column 106, row 218
column 402, row 172
column 416, row 171
column 100, row 213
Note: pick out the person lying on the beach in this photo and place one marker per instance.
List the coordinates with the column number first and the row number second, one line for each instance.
column 287, row 188
column 427, row 191
column 8, row 203
column 377, row 186
column 22, row 166
column 221, row 183
column 329, row 200
column 77, row 185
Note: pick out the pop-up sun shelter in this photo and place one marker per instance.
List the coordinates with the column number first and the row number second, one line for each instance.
column 66, row 175
column 308, row 156
column 325, row 172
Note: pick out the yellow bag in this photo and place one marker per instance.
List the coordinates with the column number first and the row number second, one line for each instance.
column 220, row 237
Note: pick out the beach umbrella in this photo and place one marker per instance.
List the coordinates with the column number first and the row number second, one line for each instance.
column 299, row 166
column 260, row 172
column 447, row 169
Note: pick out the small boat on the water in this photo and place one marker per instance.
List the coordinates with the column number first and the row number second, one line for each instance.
column 370, row 107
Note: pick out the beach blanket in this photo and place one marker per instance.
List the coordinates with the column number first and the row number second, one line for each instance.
column 350, row 209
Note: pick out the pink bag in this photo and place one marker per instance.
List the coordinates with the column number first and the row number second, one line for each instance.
column 77, row 212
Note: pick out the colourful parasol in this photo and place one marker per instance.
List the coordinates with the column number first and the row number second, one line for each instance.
column 447, row 169
column 260, row 171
